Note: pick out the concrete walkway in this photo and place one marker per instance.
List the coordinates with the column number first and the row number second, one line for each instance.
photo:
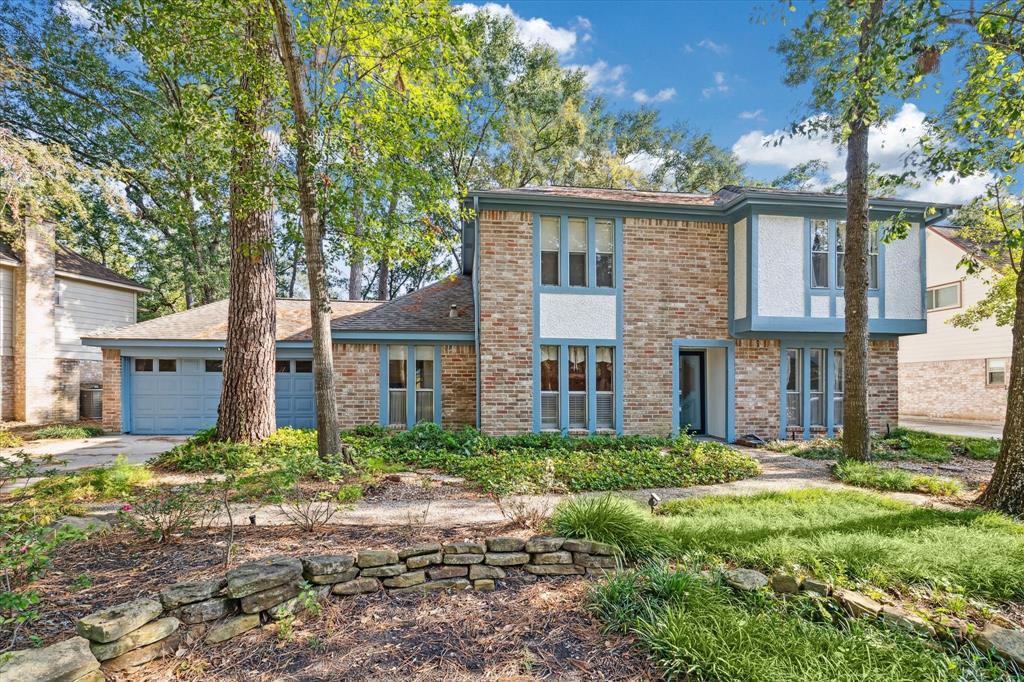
column 73, row 454
column 949, row 428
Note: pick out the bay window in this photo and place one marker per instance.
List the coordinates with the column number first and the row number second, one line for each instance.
column 578, row 252
column 604, row 380
column 397, row 385
column 550, row 372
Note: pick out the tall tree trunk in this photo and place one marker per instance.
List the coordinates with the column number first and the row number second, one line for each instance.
column 357, row 258
column 246, row 412
column 1005, row 491
column 383, row 272
column 856, row 430
column 294, row 273
column 327, row 438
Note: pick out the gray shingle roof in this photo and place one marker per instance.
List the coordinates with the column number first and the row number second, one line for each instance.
column 76, row 264
column 426, row 310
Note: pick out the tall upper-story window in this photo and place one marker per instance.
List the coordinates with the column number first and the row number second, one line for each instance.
column 873, row 255
column 819, row 253
column 605, row 252
column 840, row 254
column 578, row 252
column 550, row 243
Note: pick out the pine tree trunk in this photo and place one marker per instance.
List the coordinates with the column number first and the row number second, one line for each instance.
column 1005, row 491
column 327, row 438
column 355, row 268
column 856, row 430
column 246, row 411
column 383, row 272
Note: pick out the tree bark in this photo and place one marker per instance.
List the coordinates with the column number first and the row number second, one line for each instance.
column 383, row 272
column 1005, row 491
column 246, row 411
column 355, row 267
column 327, row 437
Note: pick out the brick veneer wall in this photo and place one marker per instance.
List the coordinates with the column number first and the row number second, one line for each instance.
column 758, row 369
column 951, row 389
column 883, row 385
column 458, row 386
column 676, row 286
column 66, row 390
column 112, row 390
column 357, row 383
column 506, row 321
column 6, row 387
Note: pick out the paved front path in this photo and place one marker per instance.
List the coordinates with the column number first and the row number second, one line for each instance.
column 973, row 429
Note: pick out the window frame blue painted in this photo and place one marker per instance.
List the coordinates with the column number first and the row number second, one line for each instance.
column 384, row 406
column 563, row 286
column 833, row 290
column 805, row 345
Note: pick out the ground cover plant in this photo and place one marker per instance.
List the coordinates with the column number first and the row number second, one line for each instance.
column 867, row 475
column 846, row 537
column 697, row 629
column 57, row 494
column 67, row 431
column 897, row 444
column 503, row 465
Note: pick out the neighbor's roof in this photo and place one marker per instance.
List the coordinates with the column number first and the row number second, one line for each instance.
column 74, row 264
column 982, row 252
column 425, row 310
column 210, row 322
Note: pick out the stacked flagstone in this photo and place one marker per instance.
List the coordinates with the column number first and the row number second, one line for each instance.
column 70, row 661
column 129, row 634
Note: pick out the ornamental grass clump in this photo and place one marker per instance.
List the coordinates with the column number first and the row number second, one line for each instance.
column 613, row 520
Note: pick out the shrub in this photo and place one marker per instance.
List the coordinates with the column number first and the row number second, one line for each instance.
column 162, row 514
column 9, row 439
column 307, row 510
column 613, row 520
column 349, row 493
column 63, row 492
column 67, row 431
column 866, row 475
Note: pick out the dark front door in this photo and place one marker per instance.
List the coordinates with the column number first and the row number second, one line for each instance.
column 691, row 391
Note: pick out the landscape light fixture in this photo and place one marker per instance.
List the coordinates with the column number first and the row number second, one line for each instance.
column 653, row 501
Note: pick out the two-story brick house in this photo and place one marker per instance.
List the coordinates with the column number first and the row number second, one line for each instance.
column 586, row 310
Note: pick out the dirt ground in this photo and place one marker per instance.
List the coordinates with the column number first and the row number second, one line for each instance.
column 522, row 631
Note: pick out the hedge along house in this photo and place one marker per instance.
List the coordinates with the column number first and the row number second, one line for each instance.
column 584, row 311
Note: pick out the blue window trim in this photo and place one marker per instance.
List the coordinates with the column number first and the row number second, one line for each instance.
column 126, row 394
column 730, row 380
column 563, row 286
column 833, row 291
column 563, row 382
column 805, row 346
column 410, row 385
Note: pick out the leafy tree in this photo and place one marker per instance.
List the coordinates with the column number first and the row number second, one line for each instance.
column 980, row 132
column 857, row 55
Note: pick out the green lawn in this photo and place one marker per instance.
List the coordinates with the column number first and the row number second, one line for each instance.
column 843, row 536
column 900, row 444
column 877, row 477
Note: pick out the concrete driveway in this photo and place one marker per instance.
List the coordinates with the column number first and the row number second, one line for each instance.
column 78, row 453
column 971, row 429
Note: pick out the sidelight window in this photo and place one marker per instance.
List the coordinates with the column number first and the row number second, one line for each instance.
column 397, row 385
column 550, row 374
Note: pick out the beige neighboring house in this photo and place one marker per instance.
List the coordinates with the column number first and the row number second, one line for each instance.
column 50, row 297
column 951, row 373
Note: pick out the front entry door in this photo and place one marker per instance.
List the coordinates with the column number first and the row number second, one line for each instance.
column 691, row 391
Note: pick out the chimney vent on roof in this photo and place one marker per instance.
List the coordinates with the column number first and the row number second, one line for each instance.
column 453, row 311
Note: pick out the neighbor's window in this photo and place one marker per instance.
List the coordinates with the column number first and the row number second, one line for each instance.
column 604, row 378
column 577, row 252
column 840, row 254
column 794, row 392
column 214, row 365
column 944, row 297
column 578, row 387
column 143, row 364
column 397, row 385
column 817, row 380
column 873, row 236
column 549, row 379
column 167, row 365
column 424, row 384
column 819, row 254
column 995, row 371
column 550, row 243
column 838, row 387
column 605, row 250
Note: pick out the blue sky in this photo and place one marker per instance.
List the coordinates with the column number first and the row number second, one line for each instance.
column 711, row 65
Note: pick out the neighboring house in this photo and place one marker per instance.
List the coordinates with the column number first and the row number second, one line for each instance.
column 953, row 373
column 579, row 310
column 50, row 297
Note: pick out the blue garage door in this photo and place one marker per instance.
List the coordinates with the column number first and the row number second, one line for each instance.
column 180, row 395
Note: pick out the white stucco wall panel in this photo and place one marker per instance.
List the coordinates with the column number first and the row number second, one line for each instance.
column 873, row 307
column 578, row 316
column 819, row 306
column 903, row 277
column 781, row 243
column 740, row 265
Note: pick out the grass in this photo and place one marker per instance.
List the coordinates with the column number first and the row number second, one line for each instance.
column 505, row 465
column 899, row 444
column 867, row 475
column 66, row 431
column 696, row 630
column 62, row 493
column 847, row 537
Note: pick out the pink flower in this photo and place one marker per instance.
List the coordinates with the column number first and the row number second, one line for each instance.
column 126, row 507
column 24, row 549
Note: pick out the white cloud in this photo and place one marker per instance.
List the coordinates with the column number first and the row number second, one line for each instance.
column 663, row 95
column 77, row 13
column 720, row 87
column 888, row 146
column 755, row 115
column 712, row 46
column 603, row 78
column 536, row 30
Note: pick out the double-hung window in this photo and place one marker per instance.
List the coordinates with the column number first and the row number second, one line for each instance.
column 817, row 386
column 819, row 254
column 550, row 247
column 397, row 385
column 605, row 252
column 944, row 297
column 794, row 387
column 838, row 387
column 578, row 387
column 578, row 252
column 604, row 378
column 424, row 384
column 549, row 382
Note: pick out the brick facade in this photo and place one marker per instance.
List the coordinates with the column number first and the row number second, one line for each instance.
column 951, row 389
column 505, row 302
column 458, row 386
column 883, row 385
column 112, row 390
column 357, row 383
column 6, row 387
column 758, row 373
column 676, row 287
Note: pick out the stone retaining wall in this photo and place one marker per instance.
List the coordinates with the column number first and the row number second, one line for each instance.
column 133, row 633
